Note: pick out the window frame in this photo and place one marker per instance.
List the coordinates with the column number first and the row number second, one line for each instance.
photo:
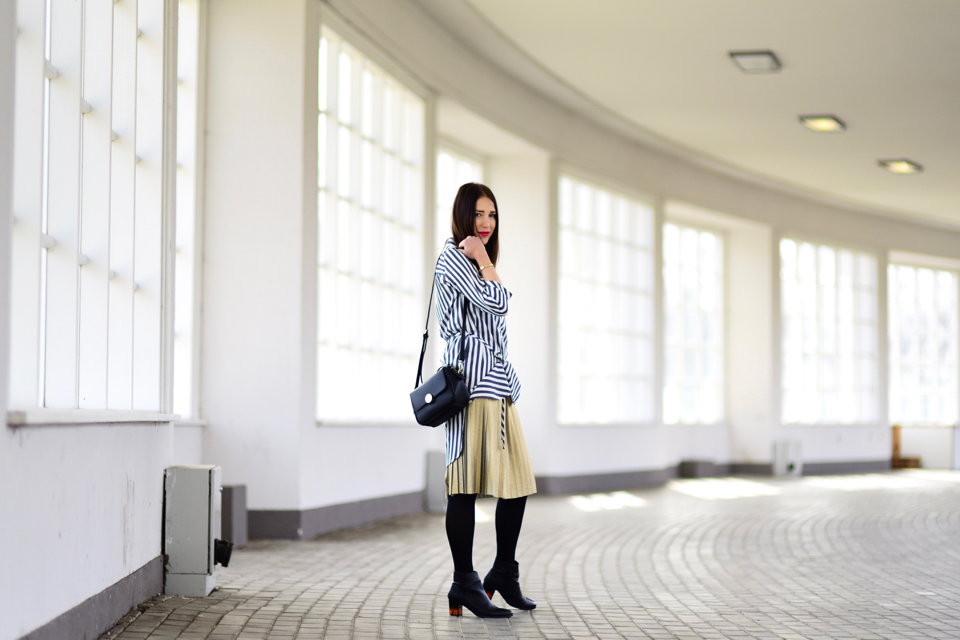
column 723, row 309
column 361, row 43
column 558, row 170
column 195, row 168
column 880, row 371
column 922, row 261
column 26, row 291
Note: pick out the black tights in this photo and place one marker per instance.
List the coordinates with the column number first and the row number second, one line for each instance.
column 460, row 526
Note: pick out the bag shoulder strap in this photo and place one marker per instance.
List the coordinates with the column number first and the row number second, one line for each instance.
column 426, row 330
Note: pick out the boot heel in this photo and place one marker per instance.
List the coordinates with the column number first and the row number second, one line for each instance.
column 505, row 578
column 467, row 592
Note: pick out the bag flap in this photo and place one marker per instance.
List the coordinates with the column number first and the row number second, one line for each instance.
column 435, row 385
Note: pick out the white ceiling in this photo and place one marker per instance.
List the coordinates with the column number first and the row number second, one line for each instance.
column 889, row 69
column 461, row 124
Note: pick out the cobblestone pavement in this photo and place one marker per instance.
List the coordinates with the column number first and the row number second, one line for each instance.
column 843, row 557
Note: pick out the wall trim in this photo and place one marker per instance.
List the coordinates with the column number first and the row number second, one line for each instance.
column 81, row 417
column 97, row 614
column 835, row 468
column 305, row 524
column 603, row 482
column 751, row 469
column 814, row 468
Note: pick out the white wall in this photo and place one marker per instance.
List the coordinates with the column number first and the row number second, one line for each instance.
column 348, row 463
column 935, row 446
column 188, row 444
column 253, row 266
column 8, row 36
column 10, row 625
column 521, row 184
column 81, row 505
column 82, row 510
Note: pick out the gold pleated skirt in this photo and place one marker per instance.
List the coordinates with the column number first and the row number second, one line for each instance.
column 493, row 462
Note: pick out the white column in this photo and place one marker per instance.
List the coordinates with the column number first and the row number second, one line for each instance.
column 522, row 186
column 752, row 383
column 254, row 346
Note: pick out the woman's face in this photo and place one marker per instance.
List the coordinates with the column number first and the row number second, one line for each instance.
column 486, row 220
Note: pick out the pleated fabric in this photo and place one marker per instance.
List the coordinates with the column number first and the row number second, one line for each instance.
column 493, row 460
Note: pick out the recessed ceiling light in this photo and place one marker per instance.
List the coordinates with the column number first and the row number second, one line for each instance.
column 823, row 124
column 756, row 61
column 901, row 166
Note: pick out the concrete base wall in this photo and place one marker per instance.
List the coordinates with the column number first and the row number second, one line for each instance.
column 309, row 523
column 94, row 616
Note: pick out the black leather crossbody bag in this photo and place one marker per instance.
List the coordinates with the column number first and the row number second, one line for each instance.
column 445, row 394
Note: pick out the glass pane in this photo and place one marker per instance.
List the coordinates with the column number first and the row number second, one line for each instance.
column 832, row 290
column 604, row 214
column 322, row 151
column 322, row 62
column 367, row 104
column 671, row 244
column 599, row 271
column 827, row 266
column 584, row 208
column 643, row 225
column 708, row 247
column 788, row 259
column 344, row 152
column 693, row 300
column 566, row 203
column 391, row 118
column 344, row 89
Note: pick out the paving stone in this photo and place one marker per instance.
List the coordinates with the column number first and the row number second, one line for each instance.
column 869, row 557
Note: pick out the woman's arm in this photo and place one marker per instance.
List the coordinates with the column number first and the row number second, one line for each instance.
column 457, row 272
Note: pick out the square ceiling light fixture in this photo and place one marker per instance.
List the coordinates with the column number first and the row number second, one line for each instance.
column 823, row 124
column 901, row 166
column 756, row 61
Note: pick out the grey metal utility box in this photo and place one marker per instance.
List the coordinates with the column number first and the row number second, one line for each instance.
column 191, row 520
column 697, row 469
column 787, row 458
column 234, row 518
column 435, row 497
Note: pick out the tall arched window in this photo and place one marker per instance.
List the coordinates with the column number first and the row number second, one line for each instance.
column 605, row 311
column 370, row 208
column 829, row 334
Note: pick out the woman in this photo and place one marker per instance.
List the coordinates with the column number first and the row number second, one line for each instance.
column 486, row 452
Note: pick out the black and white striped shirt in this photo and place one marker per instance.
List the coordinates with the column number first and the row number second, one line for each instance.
column 488, row 372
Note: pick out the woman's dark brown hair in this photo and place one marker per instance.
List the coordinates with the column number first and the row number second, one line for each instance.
column 465, row 216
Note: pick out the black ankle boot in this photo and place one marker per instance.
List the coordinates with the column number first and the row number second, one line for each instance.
column 467, row 591
column 505, row 578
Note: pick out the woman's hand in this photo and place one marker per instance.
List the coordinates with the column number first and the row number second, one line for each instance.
column 473, row 248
